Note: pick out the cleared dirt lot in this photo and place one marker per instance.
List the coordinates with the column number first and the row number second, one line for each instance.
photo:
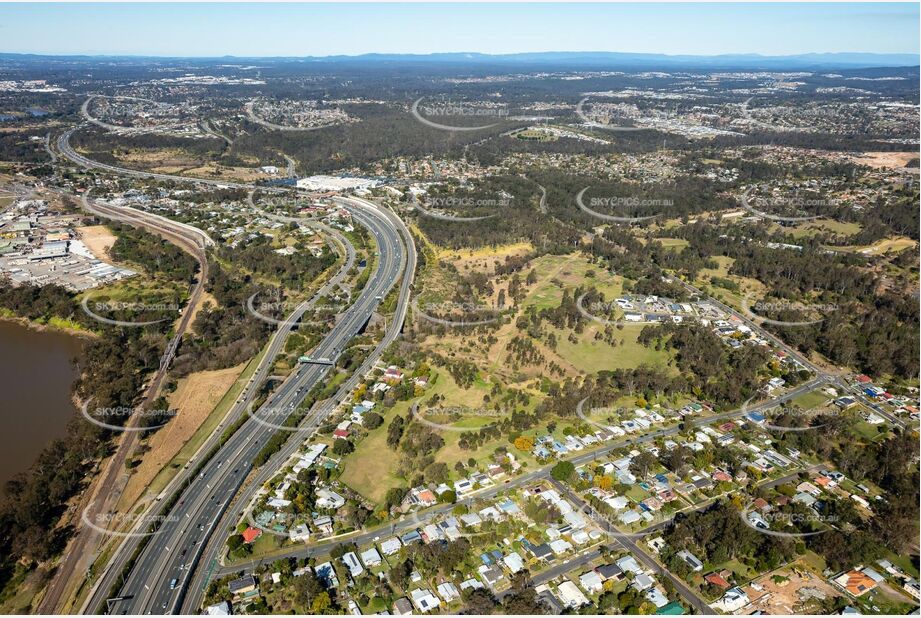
column 98, row 239
column 788, row 591
column 879, row 160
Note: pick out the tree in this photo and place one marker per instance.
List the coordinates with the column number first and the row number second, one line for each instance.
column 522, row 599
column 306, row 588
column 524, row 443
column 436, row 473
column 235, row 542
column 642, row 464
column 342, row 447
column 395, row 496
column 321, row 603
column 395, row 431
column 563, row 471
column 479, row 601
column 604, row 483
column 372, row 420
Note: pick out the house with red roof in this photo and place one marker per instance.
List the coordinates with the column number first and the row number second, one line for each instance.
column 251, row 534
column 717, row 580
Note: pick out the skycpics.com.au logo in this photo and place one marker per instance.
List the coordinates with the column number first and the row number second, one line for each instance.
column 456, row 314
column 771, row 522
column 787, row 413
column 763, row 207
column 629, row 202
column 145, row 420
column 125, row 525
column 294, row 310
column 580, row 412
column 112, row 306
column 455, row 412
column 755, row 311
column 438, row 114
column 433, row 207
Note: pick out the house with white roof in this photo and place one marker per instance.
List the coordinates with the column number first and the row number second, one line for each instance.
column 560, row 546
column 350, row 560
column 448, row 592
column 424, row 600
column 371, row 558
column 733, row 600
column 328, row 499
column 391, row 546
column 514, row 562
column 570, row 596
column 591, row 582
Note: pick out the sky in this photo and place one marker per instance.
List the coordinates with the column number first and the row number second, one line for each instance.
column 213, row 29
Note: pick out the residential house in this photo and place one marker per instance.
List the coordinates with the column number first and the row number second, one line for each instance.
column 324, row 524
column 424, row 600
column 251, row 534
column 328, row 499
column 514, row 562
column 448, row 592
column 350, row 560
column 243, row 585
column 571, row 596
column 391, row 546
column 371, row 558
column 402, row 607
column 733, row 600
column 609, row 571
column 855, row 582
column 591, row 582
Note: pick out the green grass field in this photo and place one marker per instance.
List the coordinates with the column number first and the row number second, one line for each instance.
column 810, row 400
column 369, row 469
column 811, row 228
column 673, row 243
column 590, row 356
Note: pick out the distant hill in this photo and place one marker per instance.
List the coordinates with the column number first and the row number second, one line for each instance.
column 619, row 60
column 555, row 60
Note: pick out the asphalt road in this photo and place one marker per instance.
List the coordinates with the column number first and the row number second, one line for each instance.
column 67, row 151
column 625, row 541
column 418, row 520
column 216, row 544
column 107, row 489
column 390, row 232
column 159, row 578
column 128, row 544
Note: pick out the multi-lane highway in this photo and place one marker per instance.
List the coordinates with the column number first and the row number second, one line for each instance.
column 412, row 523
column 407, row 268
column 67, row 151
column 105, row 492
column 240, row 406
column 159, row 578
column 174, row 551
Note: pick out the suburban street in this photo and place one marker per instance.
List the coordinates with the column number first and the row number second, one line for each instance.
column 240, row 406
column 419, row 519
column 174, row 551
column 193, row 520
